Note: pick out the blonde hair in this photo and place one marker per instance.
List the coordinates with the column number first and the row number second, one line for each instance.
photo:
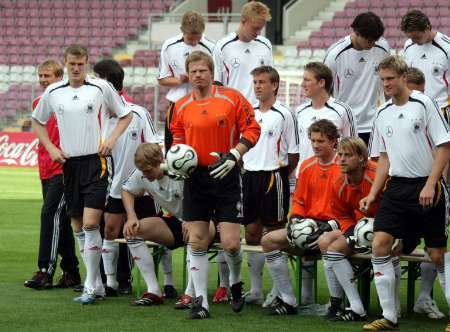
column 192, row 22
column 394, row 63
column 199, row 56
column 415, row 76
column 148, row 154
column 77, row 50
column 354, row 145
column 254, row 10
column 52, row 65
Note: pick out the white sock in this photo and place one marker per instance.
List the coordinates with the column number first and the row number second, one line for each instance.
column 190, row 285
column 398, row 275
column 222, row 267
column 80, row 237
column 144, row 261
column 447, row 276
column 384, row 276
column 92, row 254
column 234, row 261
column 255, row 269
column 344, row 274
column 278, row 269
column 110, row 255
column 428, row 275
column 334, row 287
column 307, row 282
column 199, row 266
column 442, row 281
column 166, row 263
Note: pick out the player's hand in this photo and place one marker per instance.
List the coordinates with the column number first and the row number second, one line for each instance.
column 225, row 164
column 173, row 175
column 426, row 196
column 185, row 231
column 57, row 155
column 106, row 148
column 364, row 203
column 312, row 241
column 184, row 78
column 131, row 228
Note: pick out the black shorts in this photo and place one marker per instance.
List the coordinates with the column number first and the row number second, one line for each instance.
column 206, row 198
column 401, row 215
column 143, row 205
column 85, row 183
column 175, row 227
column 266, row 197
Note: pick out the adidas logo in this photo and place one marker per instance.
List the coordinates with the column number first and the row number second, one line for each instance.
column 247, row 51
column 75, row 97
column 136, row 258
column 362, row 60
column 401, row 116
column 424, row 56
column 379, row 274
column 195, row 268
column 95, row 248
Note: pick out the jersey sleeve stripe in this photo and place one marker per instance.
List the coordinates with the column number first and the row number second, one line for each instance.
column 150, row 122
column 434, row 43
column 207, row 48
column 228, row 42
column 277, row 111
column 59, row 87
column 90, row 84
column 260, row 41
column 297, row 137
column 349, row 114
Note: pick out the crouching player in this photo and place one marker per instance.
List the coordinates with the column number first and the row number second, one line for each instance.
column 311, row 200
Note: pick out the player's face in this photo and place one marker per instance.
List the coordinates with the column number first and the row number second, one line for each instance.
column 264, row 88
column 361, row 43
column 348, row 161
column 393, row 83
column 322, row 146
column 152, row 173
column 419, row 37
column 251, row 28
column 199, row 74
column 47, row 77
column 76, row 68
column 311, row 85
column 417, row 87
column 192, row 38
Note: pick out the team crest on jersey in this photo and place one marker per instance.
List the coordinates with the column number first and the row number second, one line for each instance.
column 134, row 135
column 270, row 133
column 436, row 71
column 235, row 62
column 348, row 73
column 221, row 123
column 417, row 124
column 60, row 109
column 389, row 131
column 90, row 108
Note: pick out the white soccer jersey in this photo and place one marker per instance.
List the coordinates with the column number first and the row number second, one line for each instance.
column 174, row 52
column 167, row 192
column 408, row 134
column 334, row 110
column 141, row 129
column 355, row 78
column 278, row 138
column 235, row 59
column 433, row 60
column 80, row 112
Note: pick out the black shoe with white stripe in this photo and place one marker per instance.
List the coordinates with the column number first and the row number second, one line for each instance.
column 350, row 316
column 197, row 311
column 237, row 296
column 282, row 309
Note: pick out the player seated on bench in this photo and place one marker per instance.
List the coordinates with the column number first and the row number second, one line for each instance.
column 167, row 230
column 311, row 199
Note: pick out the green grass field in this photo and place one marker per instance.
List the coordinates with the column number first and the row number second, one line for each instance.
column 23, row 309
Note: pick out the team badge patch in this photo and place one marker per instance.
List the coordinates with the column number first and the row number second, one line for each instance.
column 134, row 135
column 389, row 131
column 348, row 72
column 90, row 108
column 235, row 62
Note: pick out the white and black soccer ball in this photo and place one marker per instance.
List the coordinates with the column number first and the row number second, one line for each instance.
column 363, row 232
column 181, row 159
column 299, row 231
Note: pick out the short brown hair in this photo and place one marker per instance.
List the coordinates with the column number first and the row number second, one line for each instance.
column 395, row 63
column 254, row 10
column 415, row 20
column 325, row 127
column 368, row 25
column 148, row 154
column 192, row 22
column 199, row 56
column 355, row 145
column 272, row 72
column 415, row 76
column 52, row 65
column 321, row 72
column 76, row 49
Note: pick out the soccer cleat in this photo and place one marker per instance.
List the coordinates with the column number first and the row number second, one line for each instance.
column 148, row 299
column 271, row 299
column 237, row 298
column 429, row 308
column 78, row 288
column 282, row 309
column 40, row 280
column 86, row 298
column 221, row 295
column 334, row 310
column 251, row 298
column 349, row 315
column 170, row 292
column 69, row 280
column 380, row 325
column 197, row 311
column 124, row 288
column 184, row 302
column 111, row 292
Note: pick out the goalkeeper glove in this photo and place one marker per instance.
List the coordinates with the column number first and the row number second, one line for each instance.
column 225, row 164
column 312, row 241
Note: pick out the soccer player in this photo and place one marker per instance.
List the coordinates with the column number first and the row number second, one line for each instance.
column 81, row 104
column 141, row 129
column 415, row 79
column 56, row 234
column 427, row 50
column 174, row 51
column 238, row 53
column 265, row 182
column 353, row 61
column 414, row 201
column 220, row 125
column 311, row 198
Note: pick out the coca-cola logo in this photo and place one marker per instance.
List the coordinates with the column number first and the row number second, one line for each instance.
column 18, row 153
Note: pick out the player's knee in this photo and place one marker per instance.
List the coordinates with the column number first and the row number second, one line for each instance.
column 252, row 239
column 437, row 256
column 325, row 240
column 231, row 245
column 381, row 244
column 111, row 232
column 267, row 244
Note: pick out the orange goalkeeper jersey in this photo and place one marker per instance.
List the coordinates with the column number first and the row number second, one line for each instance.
column 215, row 124
column 312, row 195
column 346, row 197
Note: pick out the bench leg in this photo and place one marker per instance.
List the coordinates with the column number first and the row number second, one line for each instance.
column 413, row 275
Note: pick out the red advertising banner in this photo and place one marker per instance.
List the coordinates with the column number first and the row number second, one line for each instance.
column 18, row 149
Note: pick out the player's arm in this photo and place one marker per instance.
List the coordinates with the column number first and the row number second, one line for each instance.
column 172, row 81
column 331, row 63
column 381, row 176
column 298, row 198
column 292, row 140
column 41, row 132
column 177, row 127
column 131, row 227
column 122, row 124
column 218, row 65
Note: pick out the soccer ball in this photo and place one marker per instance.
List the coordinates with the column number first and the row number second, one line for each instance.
column 363, row 232
column 181, row 159
column 299, row 231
